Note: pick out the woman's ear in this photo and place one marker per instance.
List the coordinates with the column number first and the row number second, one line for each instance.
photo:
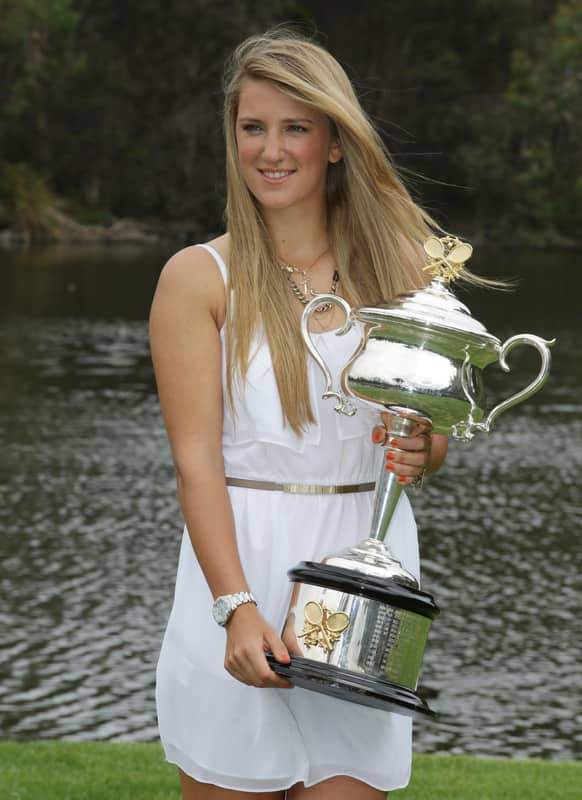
column 335, row 152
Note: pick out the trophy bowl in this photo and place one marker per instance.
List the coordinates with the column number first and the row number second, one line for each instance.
column 359, row 618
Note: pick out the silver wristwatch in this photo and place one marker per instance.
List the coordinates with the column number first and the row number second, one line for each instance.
column 227, row 603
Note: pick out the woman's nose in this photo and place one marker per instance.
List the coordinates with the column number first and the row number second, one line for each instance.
column 273, row 146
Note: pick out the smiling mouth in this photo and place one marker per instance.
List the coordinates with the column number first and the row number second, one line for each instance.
column 276, row 174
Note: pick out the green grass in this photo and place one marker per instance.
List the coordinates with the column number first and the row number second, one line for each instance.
column 465, row 778
column 104, row 771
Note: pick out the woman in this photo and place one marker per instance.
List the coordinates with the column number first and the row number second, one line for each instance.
column 313, row 204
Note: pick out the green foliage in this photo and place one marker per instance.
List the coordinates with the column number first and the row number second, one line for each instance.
column 25, row 199
column 545, row 99
column 120, row 110
column 35, row 37
column 434, row 75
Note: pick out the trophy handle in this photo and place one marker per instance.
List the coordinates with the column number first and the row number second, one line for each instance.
column 344, row 406
column 465, row 431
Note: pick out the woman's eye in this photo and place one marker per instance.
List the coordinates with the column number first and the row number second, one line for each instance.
column 249, row 127
column 297, row 129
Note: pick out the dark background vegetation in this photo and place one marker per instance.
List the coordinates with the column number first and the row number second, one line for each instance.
column 111, row 109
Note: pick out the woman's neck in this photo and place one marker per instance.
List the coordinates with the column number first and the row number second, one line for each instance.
column 298, row 237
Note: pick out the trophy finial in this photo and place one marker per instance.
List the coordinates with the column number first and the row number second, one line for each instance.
column 446, row 257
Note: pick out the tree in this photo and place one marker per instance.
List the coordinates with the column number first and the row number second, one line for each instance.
column 545, row 98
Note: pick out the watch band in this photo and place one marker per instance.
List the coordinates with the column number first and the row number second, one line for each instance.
column 226, row 604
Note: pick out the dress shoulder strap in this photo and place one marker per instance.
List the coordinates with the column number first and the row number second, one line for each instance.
column 218, row 258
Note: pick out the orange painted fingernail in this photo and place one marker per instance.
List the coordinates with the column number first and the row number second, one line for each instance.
column 394, row 442
column 390, row 467
column 402, row 479
column 390, row 456
column 377, row 436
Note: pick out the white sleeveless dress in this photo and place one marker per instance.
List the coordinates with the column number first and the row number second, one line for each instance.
column 226, row 733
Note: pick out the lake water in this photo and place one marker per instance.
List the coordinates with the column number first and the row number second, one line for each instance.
column 90, row 526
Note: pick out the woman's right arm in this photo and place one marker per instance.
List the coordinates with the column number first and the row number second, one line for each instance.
column 186, row 317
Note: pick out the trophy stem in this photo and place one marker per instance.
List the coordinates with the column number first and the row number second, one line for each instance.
column 386, row 497
column 404, row 422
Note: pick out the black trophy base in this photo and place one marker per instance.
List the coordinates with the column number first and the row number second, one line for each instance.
column 347, row 685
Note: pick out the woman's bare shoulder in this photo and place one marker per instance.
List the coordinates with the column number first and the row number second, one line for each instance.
column 193, row 259
column 221, row 245
column 192, row 274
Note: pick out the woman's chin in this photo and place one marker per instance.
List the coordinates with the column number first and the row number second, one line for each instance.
column 272, row 201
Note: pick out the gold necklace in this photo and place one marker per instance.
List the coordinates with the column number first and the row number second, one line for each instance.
column 307, row 294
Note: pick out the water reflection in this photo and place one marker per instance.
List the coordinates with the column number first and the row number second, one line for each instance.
column 90, row 523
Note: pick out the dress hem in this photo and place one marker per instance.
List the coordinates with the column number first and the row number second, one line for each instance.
column 196, row 771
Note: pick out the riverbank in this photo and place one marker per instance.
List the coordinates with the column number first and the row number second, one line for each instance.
column 107, row 771
column 60, row 228
column 48, row 225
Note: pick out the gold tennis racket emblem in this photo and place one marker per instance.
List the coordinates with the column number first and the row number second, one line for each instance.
column 322, row 626
column 446, row 256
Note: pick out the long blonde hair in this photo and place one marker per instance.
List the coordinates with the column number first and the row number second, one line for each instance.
column 375, row 228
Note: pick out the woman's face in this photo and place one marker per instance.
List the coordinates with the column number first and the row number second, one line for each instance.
column 284, row 147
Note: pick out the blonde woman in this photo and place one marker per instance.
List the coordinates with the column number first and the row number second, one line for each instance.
column 314, row 204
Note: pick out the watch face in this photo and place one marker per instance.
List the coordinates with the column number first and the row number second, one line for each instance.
column 220, row 610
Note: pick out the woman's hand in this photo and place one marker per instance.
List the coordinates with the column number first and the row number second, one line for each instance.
column 289, row 638
column 248, row 637
column 410, row 457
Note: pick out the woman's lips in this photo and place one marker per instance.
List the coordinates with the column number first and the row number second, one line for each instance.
column 276, row 175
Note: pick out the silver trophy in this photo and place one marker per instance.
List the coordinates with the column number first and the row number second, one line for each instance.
column 361, row 620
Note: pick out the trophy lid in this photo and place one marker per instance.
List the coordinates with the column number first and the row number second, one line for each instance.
column 435, row 305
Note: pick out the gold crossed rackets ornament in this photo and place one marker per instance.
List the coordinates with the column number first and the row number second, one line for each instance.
column 322, row 626
column 447, row 257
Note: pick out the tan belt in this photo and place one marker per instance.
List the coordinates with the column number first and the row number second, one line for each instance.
column 301, row 488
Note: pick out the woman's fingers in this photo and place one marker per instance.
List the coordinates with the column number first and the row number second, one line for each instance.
column 279, row 649
column 379, row 434
column 250, row 666
column 248, row 635
column 408, row 457
column 405, row 456
column 410, row 443
column 387, row 417
column 290, row 640
column 254, row 670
